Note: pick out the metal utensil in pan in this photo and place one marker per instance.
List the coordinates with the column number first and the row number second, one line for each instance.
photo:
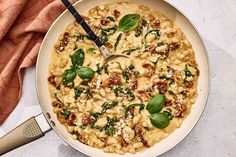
column 106, row 53
column 35, row 127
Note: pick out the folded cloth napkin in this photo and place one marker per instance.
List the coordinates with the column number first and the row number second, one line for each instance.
column 23, row 24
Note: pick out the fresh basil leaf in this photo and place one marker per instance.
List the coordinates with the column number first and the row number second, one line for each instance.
column 129, row 22
column 156, row 104
column 77, row 58
column 85, row 73
column 159, row 120
column 68, row 76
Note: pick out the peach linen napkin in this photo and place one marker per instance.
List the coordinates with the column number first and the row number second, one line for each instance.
column 23, row 24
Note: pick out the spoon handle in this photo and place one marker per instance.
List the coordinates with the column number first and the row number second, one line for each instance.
column 85, row 26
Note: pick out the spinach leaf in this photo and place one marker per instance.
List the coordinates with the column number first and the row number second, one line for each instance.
column 129, row 51
column 156, row 32
column 168, row 112
column 160, row 44
column 66, row 113
column 127, row 108
column 91, row 51
column 129, row 93
column 126, row 72
column 78, row 91
column 85, row 73
column 117, row 41
column 111, row 18
column 68, row 76
column 187, row 72
column 98, row 69
column 109, row 127
column 110, row 30
column 129, row 22
column 104, row 36
column 106, row 68
column 144, row 23
column 77, row 58
column 139, row 30
column 79, row 36
column 58, row 98
column 118, row 91
column 136, row 73
column 105, row 33
column 106, row 106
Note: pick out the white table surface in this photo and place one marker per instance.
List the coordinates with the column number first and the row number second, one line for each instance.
column 214, row 135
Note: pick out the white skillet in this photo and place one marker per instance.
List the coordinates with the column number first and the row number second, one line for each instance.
column 35, row 127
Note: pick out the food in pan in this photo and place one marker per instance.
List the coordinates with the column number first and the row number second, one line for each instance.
column 127, row 104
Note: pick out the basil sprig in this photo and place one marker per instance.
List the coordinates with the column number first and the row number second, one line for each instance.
column 129, row 22
column 84, row 73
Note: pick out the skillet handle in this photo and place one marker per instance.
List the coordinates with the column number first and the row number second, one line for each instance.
column 26, row 132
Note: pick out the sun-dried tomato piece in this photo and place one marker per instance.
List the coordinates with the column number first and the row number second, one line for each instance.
column 105, row 22
column 181, row 108
column 56, row 104
column 151, row 48
column 173, row 46
column 150, row 69
column 134, row 84
column 161, row 86
column 63, row 43
column 71, row 119
column 168, row 102
column 139, row 133
column 115, row 79
column 87, row 120
column 188, row 84
column 131, row 111
column 51, row 80
column 116, row 13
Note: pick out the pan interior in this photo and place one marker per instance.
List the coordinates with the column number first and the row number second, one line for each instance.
column 174, row 138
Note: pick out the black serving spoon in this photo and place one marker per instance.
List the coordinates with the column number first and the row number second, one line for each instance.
column 107, row 54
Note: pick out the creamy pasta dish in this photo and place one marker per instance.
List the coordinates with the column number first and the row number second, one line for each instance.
column 126, row 104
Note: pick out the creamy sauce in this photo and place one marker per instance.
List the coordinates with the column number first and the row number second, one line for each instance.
column 94, row 110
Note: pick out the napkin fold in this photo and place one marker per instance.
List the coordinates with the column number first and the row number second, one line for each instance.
column 23, row 24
